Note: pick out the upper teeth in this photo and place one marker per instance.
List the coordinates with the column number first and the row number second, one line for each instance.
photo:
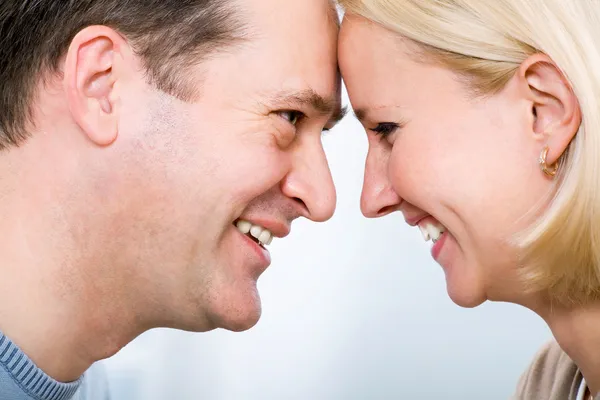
column 264, row 236
column 432, row 231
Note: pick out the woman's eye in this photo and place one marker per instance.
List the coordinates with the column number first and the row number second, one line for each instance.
column 293, row 117
column 385, row 129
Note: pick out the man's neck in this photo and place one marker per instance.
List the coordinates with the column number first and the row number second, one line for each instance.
column 577, row 331
column 66, row 296
column 58, row 324
column 51, row 305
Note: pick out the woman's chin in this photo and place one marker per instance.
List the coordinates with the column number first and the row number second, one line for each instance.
column 465, row 295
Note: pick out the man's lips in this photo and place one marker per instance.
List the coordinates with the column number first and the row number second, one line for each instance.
column 259, row 252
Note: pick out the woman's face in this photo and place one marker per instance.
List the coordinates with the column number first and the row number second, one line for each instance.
column 448, row 160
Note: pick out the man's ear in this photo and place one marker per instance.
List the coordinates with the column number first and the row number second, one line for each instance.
column 89, row 80
column 555, row 108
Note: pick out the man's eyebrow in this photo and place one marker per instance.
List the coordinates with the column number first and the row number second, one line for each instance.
column 337, row 116
column 360, row 114
column 322, row 105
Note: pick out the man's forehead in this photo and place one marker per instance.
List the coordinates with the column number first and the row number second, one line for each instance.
column 298, row 36
column 290, row 17
column 291, row 58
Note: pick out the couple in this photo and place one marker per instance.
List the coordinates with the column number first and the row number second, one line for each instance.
column 152, row 150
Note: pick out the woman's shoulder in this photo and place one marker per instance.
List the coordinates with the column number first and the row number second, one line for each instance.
column 551, row 375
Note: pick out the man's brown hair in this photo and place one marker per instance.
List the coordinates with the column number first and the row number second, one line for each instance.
column 168, row 35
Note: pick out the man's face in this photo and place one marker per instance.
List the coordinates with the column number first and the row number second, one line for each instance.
column 248, row 152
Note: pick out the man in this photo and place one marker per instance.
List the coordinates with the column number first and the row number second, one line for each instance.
column 151, row 150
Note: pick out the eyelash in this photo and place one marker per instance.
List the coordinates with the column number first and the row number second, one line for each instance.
column 385, row 129
column 293, row 113
column 299, row 117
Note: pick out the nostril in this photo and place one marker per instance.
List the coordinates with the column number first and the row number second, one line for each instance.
column 301, row 202
column 385, row 210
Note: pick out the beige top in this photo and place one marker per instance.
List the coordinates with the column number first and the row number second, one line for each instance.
column 551, row 376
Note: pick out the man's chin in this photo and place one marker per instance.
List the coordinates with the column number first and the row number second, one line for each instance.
column 238, row 314
column 241, row 326
column 240, row 321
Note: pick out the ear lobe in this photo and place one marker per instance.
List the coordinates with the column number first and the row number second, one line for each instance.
column 89, row 83
column 556, row 110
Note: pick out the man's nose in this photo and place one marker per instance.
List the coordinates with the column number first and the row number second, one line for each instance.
column 309, row 181
column 378, row 197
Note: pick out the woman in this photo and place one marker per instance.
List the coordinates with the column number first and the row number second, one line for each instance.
column 483, row 121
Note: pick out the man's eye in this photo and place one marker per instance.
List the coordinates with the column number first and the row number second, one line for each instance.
column 293, row 117
column 385, row 129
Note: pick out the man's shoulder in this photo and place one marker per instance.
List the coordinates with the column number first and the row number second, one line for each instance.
column 551, row 374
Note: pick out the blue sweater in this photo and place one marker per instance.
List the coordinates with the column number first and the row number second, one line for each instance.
column 21, row 379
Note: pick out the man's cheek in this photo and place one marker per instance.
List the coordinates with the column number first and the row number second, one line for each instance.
column 262, row 177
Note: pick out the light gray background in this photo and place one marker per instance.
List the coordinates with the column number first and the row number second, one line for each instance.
column 352, row 309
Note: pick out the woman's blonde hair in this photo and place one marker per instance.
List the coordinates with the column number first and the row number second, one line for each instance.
column 486, row 41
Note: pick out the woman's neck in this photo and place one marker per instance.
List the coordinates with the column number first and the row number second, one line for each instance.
column 577, row 331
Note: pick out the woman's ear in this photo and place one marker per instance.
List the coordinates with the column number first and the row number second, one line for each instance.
column 555, row 108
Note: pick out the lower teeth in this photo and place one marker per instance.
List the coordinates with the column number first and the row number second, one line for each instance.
column 435, row 240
